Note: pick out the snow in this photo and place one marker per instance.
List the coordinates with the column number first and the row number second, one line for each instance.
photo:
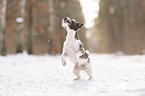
column 29, row 75
column 19, row 19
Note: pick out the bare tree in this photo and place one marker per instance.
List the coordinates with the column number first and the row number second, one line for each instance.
column 30, row 26
column 20, row 26
column 51, row 26
column 3, row 4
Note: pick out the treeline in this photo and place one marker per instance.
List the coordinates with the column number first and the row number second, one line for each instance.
column 35, row 25
column 120, row 26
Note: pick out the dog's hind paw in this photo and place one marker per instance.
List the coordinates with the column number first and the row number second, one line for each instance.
column 76, row 78
column 90, row 78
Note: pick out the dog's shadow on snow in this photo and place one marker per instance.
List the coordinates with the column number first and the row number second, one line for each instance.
column 80, row 85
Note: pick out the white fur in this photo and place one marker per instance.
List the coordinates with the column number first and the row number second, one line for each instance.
column 71, row 50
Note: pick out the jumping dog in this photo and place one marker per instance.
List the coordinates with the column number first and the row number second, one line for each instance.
column 73, row 48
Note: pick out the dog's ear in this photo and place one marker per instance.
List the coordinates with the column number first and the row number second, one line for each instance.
column 80, row 25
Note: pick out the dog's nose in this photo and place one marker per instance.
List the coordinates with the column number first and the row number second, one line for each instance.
column 66, row 19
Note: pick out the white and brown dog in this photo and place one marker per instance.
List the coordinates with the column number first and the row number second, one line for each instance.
column 74, row 50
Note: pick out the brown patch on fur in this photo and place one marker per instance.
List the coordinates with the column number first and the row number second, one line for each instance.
column 85, row 56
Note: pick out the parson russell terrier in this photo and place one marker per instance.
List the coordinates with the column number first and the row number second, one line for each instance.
column 73, row 49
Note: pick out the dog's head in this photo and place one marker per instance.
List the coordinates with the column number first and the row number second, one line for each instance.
column 71, row 24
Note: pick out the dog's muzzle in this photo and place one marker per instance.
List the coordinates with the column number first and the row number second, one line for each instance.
column 67, row 20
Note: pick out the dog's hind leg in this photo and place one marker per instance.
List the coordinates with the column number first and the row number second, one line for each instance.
column 88, row 70
column 76, row 71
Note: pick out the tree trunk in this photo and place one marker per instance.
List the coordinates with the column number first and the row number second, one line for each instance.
column 20, row 26
column 51, row 40
column 30, row 27
column 3, row 4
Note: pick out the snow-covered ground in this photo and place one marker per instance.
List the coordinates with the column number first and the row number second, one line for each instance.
column 28, row 75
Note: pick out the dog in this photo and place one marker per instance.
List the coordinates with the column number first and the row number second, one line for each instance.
column 73, row 49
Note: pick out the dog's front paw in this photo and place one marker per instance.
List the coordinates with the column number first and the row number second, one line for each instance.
column 63, row 63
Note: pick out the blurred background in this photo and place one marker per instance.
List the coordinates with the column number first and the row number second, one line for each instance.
column 111, row 26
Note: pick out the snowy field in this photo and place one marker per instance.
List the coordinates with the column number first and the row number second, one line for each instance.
column 28, row 75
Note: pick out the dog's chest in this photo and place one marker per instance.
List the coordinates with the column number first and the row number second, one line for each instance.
column 72, row 46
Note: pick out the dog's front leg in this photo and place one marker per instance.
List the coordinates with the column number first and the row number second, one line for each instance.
column 63, row 58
